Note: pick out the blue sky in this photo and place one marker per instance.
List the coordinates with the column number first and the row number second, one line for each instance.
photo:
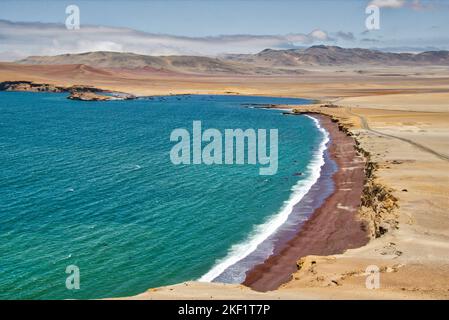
column 404, row 23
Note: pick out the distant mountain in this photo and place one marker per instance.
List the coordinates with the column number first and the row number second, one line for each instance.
column 404, row 49
column 268, row 61
column 337, row 56
column 179, row 64
column 103, row 59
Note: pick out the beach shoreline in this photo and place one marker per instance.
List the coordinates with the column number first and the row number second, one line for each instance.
column 333, row 227
column 283, row 224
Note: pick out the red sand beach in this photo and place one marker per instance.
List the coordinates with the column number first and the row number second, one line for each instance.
column 332, row 228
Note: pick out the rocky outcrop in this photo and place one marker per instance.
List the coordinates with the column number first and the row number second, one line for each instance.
column 77, row 92
column 88, row 96
column 44, row 87
column 84, row 94
column 80, row 88
column 30, row 86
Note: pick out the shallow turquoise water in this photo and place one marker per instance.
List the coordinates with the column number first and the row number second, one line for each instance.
column 91, row 184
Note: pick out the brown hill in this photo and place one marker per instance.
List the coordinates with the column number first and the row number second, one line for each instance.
column 266, row 62
column 337, row 56
column 137, row 62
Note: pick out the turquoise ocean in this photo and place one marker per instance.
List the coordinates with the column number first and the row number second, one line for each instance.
column 91, row 184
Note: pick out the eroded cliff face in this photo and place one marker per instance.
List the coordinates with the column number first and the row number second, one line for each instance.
column 378, row 210
column 378, row 204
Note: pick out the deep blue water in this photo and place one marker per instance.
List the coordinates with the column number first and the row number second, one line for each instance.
column 91, row 184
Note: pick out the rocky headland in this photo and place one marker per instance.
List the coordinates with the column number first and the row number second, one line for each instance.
column 77, row 92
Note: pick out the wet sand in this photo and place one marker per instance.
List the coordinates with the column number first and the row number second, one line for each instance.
column 332, row 228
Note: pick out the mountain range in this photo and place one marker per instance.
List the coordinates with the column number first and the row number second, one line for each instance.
column 268, row 61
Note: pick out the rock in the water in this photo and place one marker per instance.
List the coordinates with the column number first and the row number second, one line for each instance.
column 88, row 96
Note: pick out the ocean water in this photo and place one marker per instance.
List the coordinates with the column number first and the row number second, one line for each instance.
column 91, row 184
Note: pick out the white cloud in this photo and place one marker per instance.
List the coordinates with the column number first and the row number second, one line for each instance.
column 388, row 3
column 319, row 35
column 416, row 5
column 20, row 39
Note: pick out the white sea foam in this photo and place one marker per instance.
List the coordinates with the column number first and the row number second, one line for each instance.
column 262, row 232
